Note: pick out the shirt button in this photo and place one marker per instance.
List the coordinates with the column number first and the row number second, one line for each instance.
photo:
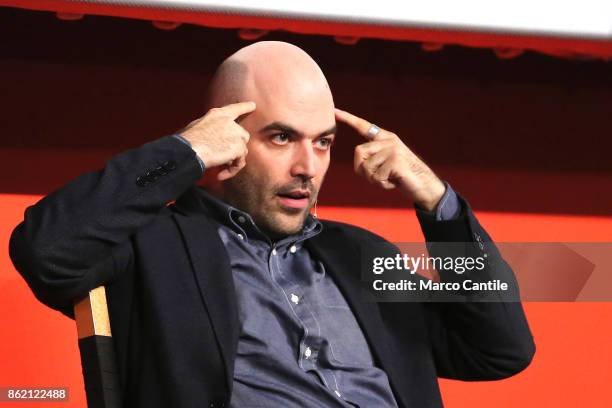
column 273, row 251
column 308, row 352
column 242, row 219
column 293, row 249
column 295, row 298
column 240, row 236
column 337, row 393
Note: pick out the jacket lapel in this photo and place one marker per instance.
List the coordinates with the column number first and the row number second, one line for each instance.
column 213, row 275
column 341, row 258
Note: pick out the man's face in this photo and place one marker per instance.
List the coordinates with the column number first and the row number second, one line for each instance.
column 288, row 156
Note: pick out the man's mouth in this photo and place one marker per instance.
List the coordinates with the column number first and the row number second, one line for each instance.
column 295, row 198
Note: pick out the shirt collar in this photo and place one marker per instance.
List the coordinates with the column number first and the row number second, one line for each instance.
column 242, row 223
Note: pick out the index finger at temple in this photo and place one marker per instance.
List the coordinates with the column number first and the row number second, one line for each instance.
column 360, row 125
column 235, row 110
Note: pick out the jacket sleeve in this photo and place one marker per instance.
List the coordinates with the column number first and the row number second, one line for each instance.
column 475, row 339
column 78, row 237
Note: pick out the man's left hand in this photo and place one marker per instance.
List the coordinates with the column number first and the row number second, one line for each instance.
column 385, row 160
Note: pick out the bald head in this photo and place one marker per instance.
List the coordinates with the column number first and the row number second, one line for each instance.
column 265, row 71
column 291, row 131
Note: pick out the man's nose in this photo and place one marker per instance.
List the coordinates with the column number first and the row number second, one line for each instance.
column 304, row 163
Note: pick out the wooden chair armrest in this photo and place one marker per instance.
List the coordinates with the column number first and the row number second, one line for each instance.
column 98, row 359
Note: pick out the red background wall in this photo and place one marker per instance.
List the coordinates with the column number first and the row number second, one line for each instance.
column 525, row 140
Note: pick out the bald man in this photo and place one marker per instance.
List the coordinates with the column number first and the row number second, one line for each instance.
column 235, row 295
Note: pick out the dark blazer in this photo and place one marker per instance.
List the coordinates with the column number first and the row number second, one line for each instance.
column 171, row 295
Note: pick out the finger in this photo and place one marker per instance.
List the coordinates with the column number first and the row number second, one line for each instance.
column 237, row 165
column 224, row 174
column 360, row 125
column 366, row 150
column 371, row 148
column 382, row 174
column 363, row 168
column 235, row 110
column 372, row 164
column 387, row 185
column 232, row 169
column 228, row 173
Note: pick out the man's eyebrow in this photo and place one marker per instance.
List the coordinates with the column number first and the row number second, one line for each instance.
column 329, row 131
column 283, row 127
column 279, row 126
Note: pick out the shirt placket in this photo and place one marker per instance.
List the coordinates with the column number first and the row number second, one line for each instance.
column 311, row 341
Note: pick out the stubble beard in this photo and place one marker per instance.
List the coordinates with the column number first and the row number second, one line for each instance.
column 252, row 195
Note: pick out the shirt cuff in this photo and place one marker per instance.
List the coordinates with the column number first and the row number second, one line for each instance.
column 182, row 139
column 449, row 207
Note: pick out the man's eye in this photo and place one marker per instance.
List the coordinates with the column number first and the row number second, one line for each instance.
column 325, row 142
column 280, row 138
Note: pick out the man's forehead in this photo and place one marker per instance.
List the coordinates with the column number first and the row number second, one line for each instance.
column 289, row 96
column 311, row 117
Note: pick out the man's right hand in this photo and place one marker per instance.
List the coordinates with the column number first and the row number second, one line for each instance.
column 218, row 140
